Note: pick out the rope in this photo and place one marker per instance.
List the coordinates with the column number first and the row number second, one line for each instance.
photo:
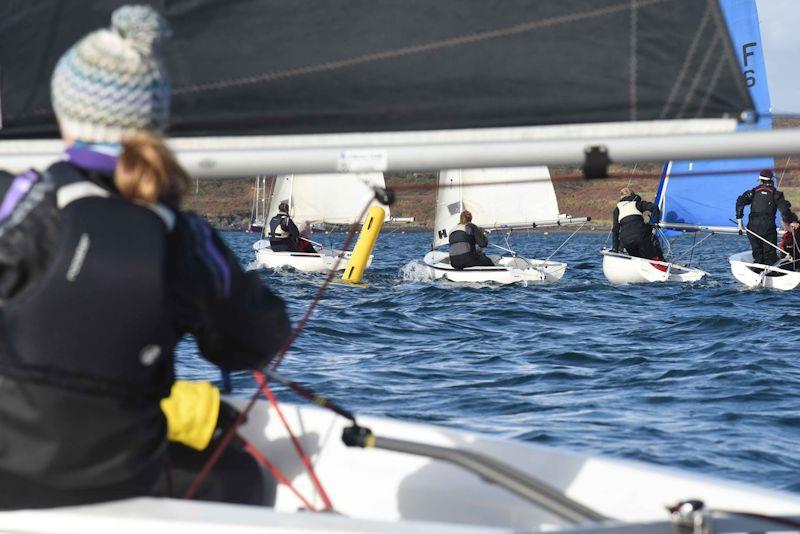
column 565, row 241
column 231, row 432
column 297, row 446
column 788, row 159
column 262, row 460
column 691, row 249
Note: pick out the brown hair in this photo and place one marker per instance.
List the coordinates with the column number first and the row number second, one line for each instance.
column 147, row 170
column 626, row 191
column 283, row 207
column 466, row 217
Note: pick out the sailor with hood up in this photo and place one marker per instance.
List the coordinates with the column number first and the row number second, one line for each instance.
column 630, row 229
column 101, row 275
column 464, row 240
column 765, row 201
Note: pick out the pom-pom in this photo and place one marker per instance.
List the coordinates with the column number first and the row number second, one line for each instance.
column 142, row 26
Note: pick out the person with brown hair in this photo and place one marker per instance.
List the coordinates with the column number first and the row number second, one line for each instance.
column 101, row 275
column 464, row 240
column 630, row 230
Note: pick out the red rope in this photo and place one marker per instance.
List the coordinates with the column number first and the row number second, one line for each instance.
column 261, row 459
column 226, row 439
column 296, row 442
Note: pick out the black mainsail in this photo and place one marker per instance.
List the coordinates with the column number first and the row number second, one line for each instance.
column 272, row 67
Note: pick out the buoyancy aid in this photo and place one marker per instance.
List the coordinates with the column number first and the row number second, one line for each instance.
column 276, row 227
column 627, row 208
column 460, row 241
column 763, row 204
column 95, row 322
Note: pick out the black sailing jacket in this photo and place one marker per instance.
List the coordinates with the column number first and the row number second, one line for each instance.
column 95, row 292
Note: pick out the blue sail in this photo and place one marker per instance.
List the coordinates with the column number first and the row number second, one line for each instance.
column 709, row 199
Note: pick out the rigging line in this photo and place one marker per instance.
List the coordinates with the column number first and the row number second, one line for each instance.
column 691, row 249
column 321, row 291
column 297, row 446
column 231, row 432
column 773, row 245
column 788, row 159
column 399, row 188
column 277, row 473
column 565, row 241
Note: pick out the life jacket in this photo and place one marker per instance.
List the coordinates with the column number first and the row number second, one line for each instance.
column 95, row 321
column 763, row 204
column 627, row 208
column 460, row 241
column 276, row 231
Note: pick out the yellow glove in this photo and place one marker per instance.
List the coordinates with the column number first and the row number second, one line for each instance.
column 192, row 410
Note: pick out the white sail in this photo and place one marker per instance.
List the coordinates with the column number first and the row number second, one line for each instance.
column 501, row 203
column 326, row 198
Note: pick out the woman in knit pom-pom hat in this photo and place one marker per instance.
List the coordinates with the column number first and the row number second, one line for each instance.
column 101, row 275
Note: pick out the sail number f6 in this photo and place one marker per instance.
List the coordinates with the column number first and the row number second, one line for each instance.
column 749, row 74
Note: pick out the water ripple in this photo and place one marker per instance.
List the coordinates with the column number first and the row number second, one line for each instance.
column 701, row 376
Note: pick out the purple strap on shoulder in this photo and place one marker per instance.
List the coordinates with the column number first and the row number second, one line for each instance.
column 19, row 187
column 217, row 258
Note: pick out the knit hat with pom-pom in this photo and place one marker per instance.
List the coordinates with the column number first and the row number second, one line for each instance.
column 113, row 81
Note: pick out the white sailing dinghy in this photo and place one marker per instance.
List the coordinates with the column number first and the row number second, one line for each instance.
column 421, row 478
column 496, row 203
column 328, row 104
column 319, row 199
column 621, row 268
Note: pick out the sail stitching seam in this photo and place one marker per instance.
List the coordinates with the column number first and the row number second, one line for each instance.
column 700, row 73
column 710, row 88
column 687, row 60
column 633, row 60
column 728, row 51
column 415, row 49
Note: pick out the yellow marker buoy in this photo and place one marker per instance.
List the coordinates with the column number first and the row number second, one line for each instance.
column 366, row 242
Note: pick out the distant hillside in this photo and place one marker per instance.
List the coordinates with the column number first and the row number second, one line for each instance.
column 226, row 203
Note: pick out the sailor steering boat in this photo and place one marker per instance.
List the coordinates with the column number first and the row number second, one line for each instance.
column 498, row 199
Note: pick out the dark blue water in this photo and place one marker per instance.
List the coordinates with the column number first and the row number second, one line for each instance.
column 702, row 376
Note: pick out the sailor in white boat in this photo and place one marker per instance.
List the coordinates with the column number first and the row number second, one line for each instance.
column 631, row 229
column 765, row 201
column 101, row 274
column 284, row 236
column 789, row 243
column 464, row 240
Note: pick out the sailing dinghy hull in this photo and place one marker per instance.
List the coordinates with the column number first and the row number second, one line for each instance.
column 771, row 277
column 624, row 269
column 304, row 262
column 378, row 490
column 507, row 270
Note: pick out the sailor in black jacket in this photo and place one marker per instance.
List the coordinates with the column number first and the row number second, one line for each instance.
column 464, row 240
column 100, row 276
column 284, row 236
column 630, row 229
column 765, row 201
